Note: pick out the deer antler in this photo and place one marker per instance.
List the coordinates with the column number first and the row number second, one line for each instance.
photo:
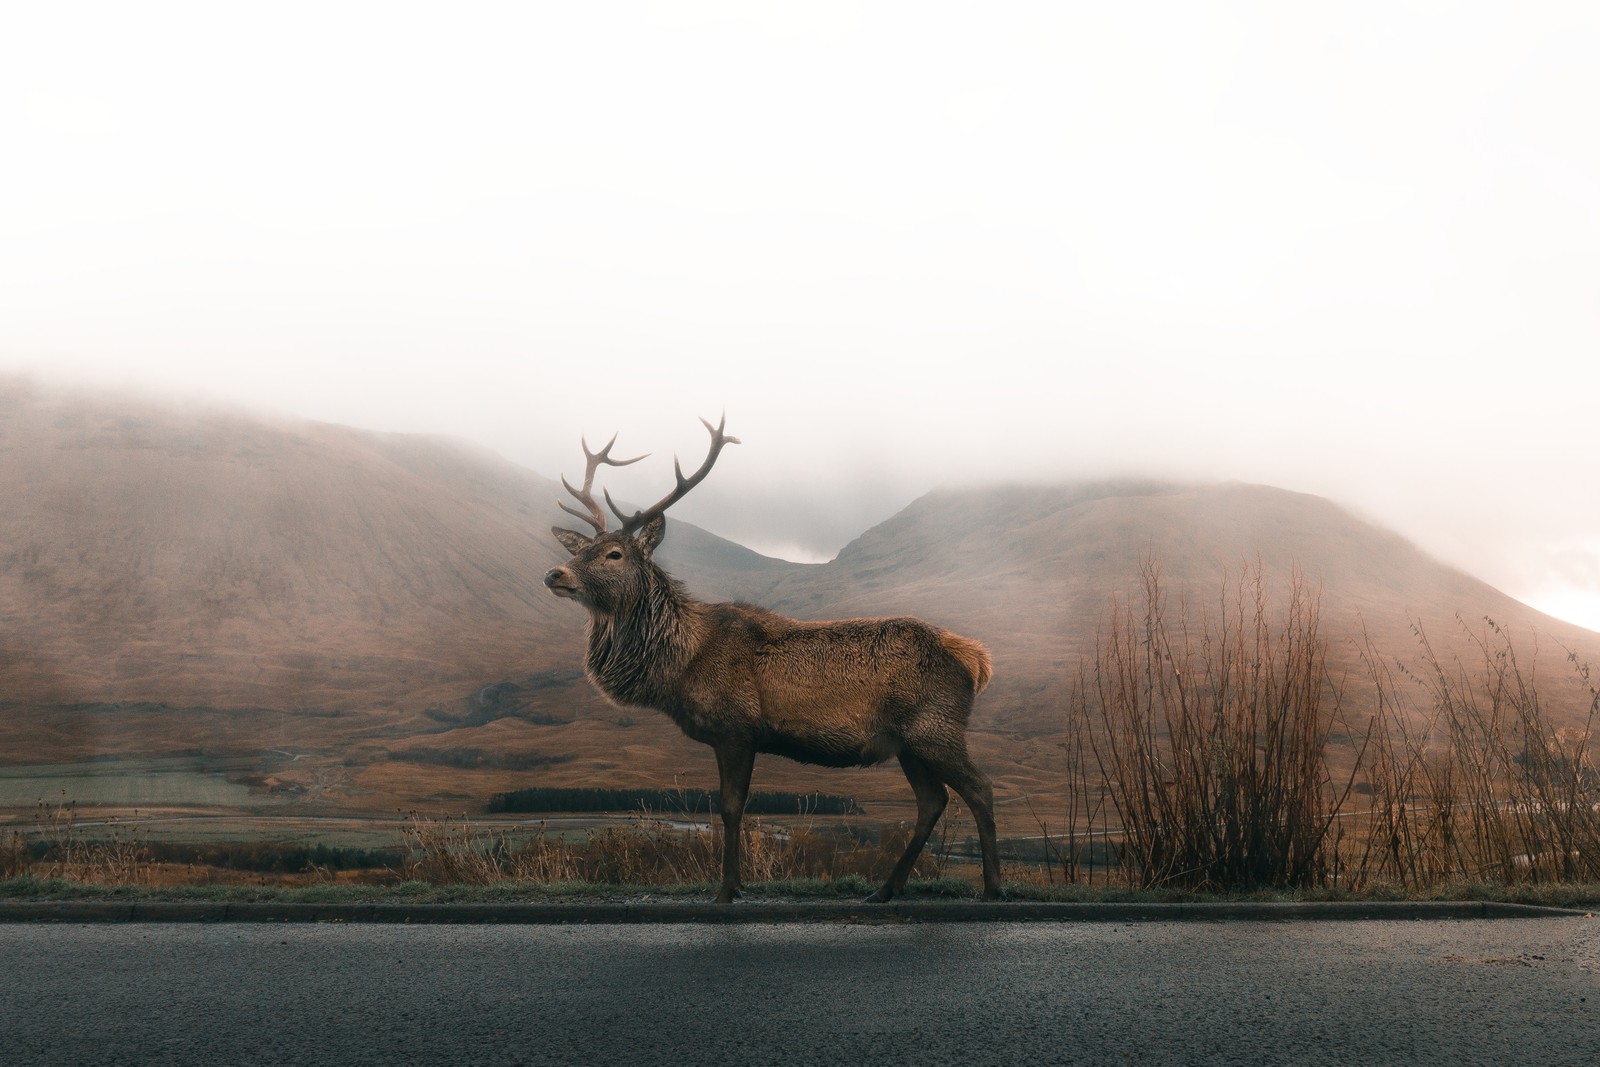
column 592, row 460
column 718, row 439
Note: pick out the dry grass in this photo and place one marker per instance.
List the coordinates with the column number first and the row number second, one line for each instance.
column 1207, row 751
column 16, row 857
column 455, row 851
column 647, row 852
column 62, row 852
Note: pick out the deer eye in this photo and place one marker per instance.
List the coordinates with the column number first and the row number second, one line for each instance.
column 614, row 554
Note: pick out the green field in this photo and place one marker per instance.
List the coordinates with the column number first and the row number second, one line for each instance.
column 166, row 783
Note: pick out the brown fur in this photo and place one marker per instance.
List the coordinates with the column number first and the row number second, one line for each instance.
column 973, row 656
column 746, row 680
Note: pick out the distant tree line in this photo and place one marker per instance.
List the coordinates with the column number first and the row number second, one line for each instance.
column 668, row 801
column 474, row 758
column 276, row 856
column 260, row 856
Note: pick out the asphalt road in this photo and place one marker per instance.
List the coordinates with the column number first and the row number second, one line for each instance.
column 1306, row 992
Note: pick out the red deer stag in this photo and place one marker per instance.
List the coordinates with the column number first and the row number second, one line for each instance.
column 745, row 680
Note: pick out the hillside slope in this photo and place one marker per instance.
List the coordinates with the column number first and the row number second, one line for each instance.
column 1033, row 571
column 156, row 555
column 361, row 616
column 153, row 556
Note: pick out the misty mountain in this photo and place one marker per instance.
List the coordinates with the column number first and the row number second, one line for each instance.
column 241, row 573
column 155, row 555
column 1034, row 571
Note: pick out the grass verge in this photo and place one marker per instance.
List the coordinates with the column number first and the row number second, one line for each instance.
column 1566, row 895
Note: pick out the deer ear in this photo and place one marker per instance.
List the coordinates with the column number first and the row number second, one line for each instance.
column 571, row 540
column 651, row 533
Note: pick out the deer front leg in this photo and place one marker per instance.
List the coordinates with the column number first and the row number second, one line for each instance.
column 734, row 764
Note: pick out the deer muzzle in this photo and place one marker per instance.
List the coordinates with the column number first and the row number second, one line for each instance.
column 560, row 582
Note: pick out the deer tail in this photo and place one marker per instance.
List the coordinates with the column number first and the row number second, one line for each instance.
column 972, row 656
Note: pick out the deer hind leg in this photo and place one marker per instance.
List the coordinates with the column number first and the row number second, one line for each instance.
column 974, row 787
column 734, row 766
column 946, row 758
column 931, row 800
column 941, row 745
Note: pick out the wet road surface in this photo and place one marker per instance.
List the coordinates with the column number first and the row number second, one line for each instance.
column 1449, row 992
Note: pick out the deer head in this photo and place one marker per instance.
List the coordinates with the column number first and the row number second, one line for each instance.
column 608, row 567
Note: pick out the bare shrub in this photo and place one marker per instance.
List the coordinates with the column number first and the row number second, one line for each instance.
column 1082, row 844
column 1211, row 735
column 123, row 859
column 1485, row 785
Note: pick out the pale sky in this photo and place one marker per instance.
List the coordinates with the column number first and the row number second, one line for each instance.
column 1348, row 249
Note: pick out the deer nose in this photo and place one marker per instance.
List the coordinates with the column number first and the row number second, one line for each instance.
column 551, row 577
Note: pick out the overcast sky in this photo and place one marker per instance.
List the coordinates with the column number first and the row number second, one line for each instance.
column 1350, row 249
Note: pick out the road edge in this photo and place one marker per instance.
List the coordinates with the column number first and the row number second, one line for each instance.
column 647, row 911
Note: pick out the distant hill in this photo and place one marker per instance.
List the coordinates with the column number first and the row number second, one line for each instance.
column 1033, row 569
column 213, row 583
column 187, row 557
column 153, row 555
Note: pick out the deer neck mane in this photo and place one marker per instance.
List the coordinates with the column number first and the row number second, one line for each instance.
column 638, row 651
